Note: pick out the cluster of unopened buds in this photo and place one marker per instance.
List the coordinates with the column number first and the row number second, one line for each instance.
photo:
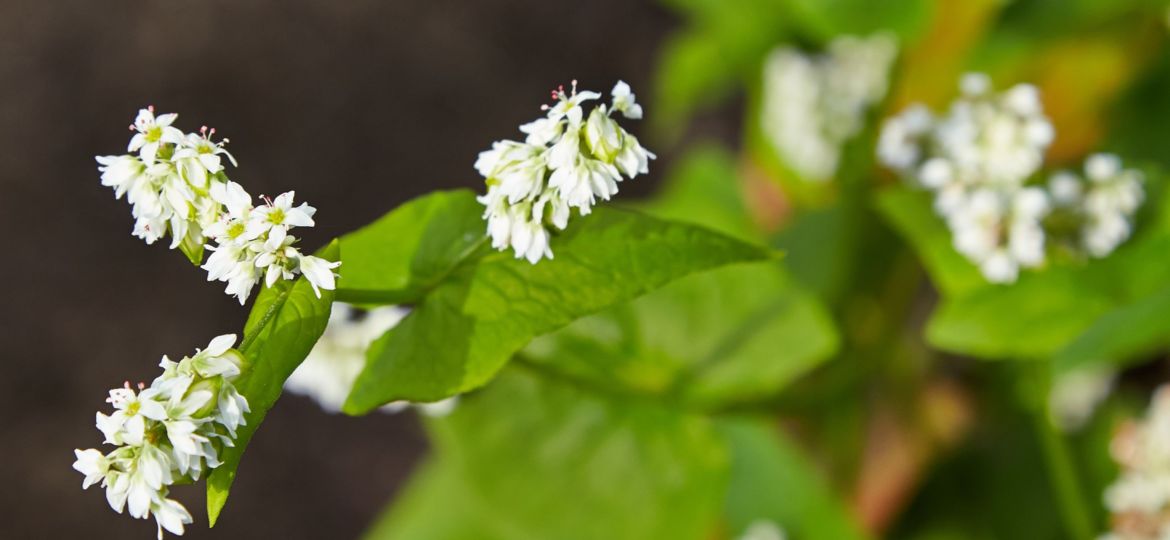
column 812, row 104
column 168, row 432
column 983, row 160
column 568, row 160
column 177, row 185
column 1139, row 499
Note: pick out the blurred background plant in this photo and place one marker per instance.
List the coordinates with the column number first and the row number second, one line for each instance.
column 886, row 379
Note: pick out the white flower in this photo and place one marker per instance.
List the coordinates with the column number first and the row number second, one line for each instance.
column 565, row 162
column 93, row 464
column 152, row 133
column 529, row 237
column 167, row 432
column 128, row 423
column 280, row 213
column 623, row 101
column 170, row 515
column 813, row 104
column 318, row 271
column 121, row 172
column 568, row 106
column 199, row 157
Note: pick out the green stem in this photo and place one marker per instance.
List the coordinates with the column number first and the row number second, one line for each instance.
column 1062, row 469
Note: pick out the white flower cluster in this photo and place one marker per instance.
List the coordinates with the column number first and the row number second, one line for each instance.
column 166, row 433
column 328, row 373
column 1140, row 498
column 981, row 161
column 567, row 161
column 813, row 104
column 167, row 179
column 254, row 242
column 1077, row 394
column 1102, row 203
column 176, row 184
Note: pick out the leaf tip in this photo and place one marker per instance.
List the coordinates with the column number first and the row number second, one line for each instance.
column 353, row 407
column 215, row 503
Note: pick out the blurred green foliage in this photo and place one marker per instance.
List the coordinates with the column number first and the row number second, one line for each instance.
column 793, row 391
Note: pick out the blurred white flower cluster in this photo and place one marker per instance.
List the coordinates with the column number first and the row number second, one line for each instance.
column 328, row 373
column 982, row 160
column 168, row 432
column 567, row 161
column 1140, row 498
column 1102, row 203
column 763, row 530
column 811, row 105
column 1077, row 394
column 176, row 184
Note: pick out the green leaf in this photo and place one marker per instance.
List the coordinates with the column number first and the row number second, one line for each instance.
column 820, row 247
column 1121, row 335
column 438, row 505
column 729, row 335
column 553, row 461
column 911, row 213
column 772, row 480
column 721, row 336
column 285, row 322
column 825, row 19
column 397, row 258
column 462, row 333
column 1029, row 320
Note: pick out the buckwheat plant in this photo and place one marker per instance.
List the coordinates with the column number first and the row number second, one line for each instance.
column 169, row 432
column 568, row 160
column 195, row 420
column 812, row 104
column 176, row 185
column 983, row 161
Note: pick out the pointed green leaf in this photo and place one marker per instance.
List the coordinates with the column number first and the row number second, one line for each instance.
column 1031, row 319
column 285, row 323
column 1121, row 335
column 462, row 333
column 397, row 258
